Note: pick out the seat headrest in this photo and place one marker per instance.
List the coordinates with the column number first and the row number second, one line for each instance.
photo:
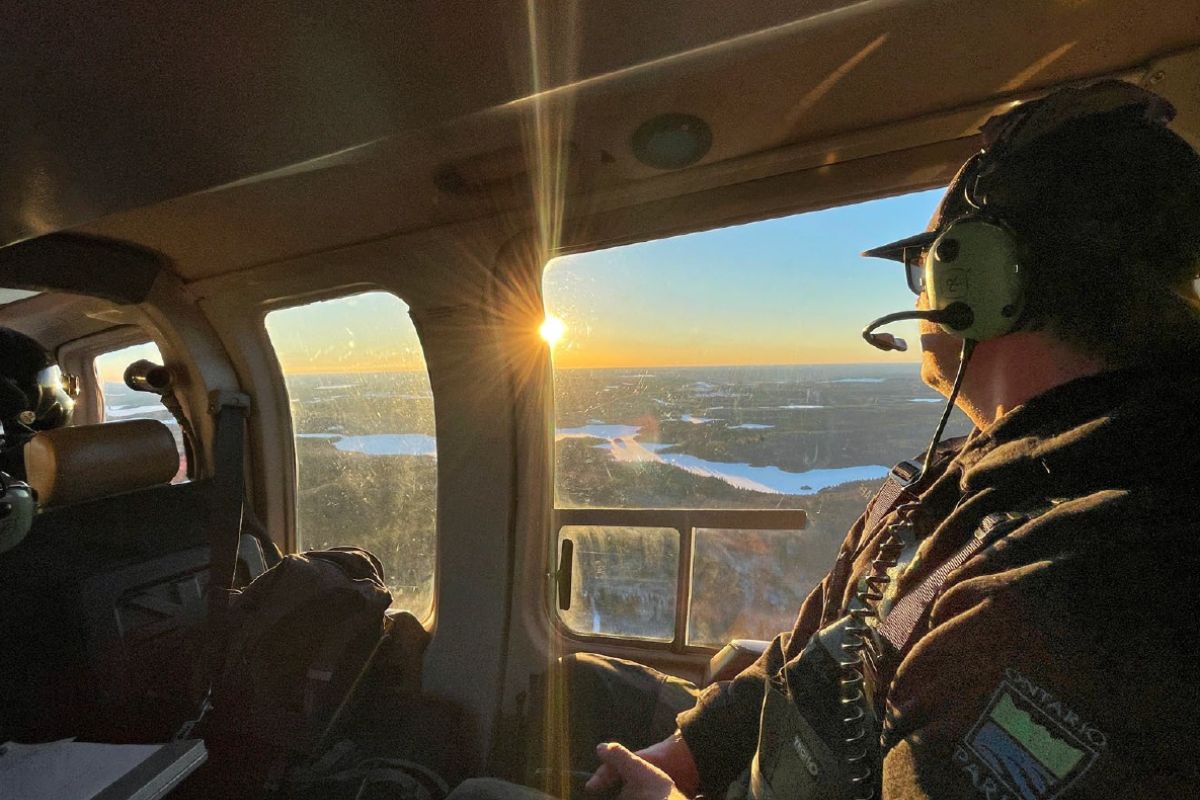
column 87, row 462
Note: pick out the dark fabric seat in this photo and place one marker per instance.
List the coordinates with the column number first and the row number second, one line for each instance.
column 100, row 612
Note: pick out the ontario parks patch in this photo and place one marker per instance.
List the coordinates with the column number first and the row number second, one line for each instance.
column 1027, row 744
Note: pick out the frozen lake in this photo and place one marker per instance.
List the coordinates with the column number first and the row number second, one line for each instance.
column 598, row 431
column 621, row 443
column 130, row 411
column 381, row 444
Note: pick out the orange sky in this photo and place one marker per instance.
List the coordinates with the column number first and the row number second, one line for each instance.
column 785, row 291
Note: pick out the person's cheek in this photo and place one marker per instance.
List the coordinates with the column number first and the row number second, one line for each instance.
column 938, row 351
column 931, row 332
column 926, row 327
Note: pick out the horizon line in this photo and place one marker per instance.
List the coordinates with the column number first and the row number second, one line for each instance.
column 367, row 371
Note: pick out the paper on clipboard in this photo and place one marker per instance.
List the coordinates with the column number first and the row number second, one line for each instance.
column 70, row 770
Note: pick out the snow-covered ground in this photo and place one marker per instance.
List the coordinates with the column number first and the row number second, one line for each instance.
column 621, row 443
column 381, row 444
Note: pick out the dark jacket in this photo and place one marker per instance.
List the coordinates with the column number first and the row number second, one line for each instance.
column 1061, row 661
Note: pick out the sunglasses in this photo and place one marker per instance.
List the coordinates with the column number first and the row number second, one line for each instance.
column 914, row 268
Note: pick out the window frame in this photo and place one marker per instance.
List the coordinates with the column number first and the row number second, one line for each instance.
column 78, row 358
column 278, row 384
column 618, row 517
column 273, row 385
column 684, row 521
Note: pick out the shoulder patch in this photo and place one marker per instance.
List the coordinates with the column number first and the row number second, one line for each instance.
column 1027, row 744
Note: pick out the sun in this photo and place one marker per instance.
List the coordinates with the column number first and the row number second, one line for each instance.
column 552, row 329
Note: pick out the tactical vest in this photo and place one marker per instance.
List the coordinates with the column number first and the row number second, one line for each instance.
column 822, row 732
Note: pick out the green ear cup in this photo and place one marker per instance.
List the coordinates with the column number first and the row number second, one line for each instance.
column 978, row 262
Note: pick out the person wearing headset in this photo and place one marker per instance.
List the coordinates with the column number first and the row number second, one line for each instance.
column 32, row 399
column 1014, row 615
column 32, row 395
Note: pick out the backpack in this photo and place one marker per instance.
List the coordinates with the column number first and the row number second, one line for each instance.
column 299, row 642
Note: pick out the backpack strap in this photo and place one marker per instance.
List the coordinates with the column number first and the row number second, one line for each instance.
column 901, row 623
column 898, row 488
column 895, row 491
column 322, row 679
column 901, row 487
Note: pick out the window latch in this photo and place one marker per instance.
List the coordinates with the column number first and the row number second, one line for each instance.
column 562, row 577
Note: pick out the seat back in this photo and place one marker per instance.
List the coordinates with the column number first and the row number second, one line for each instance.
column 90, row 462
column 101, row 605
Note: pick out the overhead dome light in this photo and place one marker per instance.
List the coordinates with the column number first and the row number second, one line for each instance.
column 671, row 141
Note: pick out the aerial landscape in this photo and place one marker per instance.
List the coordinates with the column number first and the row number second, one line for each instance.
column 818, row 437
column 632, row 432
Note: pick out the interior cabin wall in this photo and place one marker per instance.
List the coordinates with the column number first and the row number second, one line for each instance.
column 177, row 123
column 190, row 340
column 466, row 333
column 77, row 358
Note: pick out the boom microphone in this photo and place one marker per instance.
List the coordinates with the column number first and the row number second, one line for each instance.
column 958, row 316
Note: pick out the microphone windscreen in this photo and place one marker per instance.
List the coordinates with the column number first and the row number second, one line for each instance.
column 886, row 341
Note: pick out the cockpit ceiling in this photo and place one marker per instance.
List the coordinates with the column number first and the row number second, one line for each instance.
column 208, row 137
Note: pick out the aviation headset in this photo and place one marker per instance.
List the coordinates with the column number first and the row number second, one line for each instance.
column 972, row 273
column 975, row 269
column 972, row 276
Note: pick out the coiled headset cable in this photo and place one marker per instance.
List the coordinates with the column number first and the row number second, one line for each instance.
column 859, row 644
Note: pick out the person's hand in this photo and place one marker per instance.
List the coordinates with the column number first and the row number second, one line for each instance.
column 640, row 780
column 672, row 755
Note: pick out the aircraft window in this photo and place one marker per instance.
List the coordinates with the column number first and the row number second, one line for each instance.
column 725, row 370
column 366, row 453
column 785, row 566
column 609, row 562
column 122, row 403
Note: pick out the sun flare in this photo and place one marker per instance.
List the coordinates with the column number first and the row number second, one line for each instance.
column 552, row 329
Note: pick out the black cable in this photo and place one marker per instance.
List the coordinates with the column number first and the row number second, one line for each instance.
column 857, row 644
column 968, row 349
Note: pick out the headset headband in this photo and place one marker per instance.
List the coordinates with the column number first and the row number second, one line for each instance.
column 1016, row 129
column 1005, row 133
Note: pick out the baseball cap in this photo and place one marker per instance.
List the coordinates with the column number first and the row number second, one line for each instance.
column 1005, row 135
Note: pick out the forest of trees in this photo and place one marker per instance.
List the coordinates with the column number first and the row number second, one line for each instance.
column 687, row 438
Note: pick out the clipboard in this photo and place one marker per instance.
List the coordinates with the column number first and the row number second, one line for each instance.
column 69, row 770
